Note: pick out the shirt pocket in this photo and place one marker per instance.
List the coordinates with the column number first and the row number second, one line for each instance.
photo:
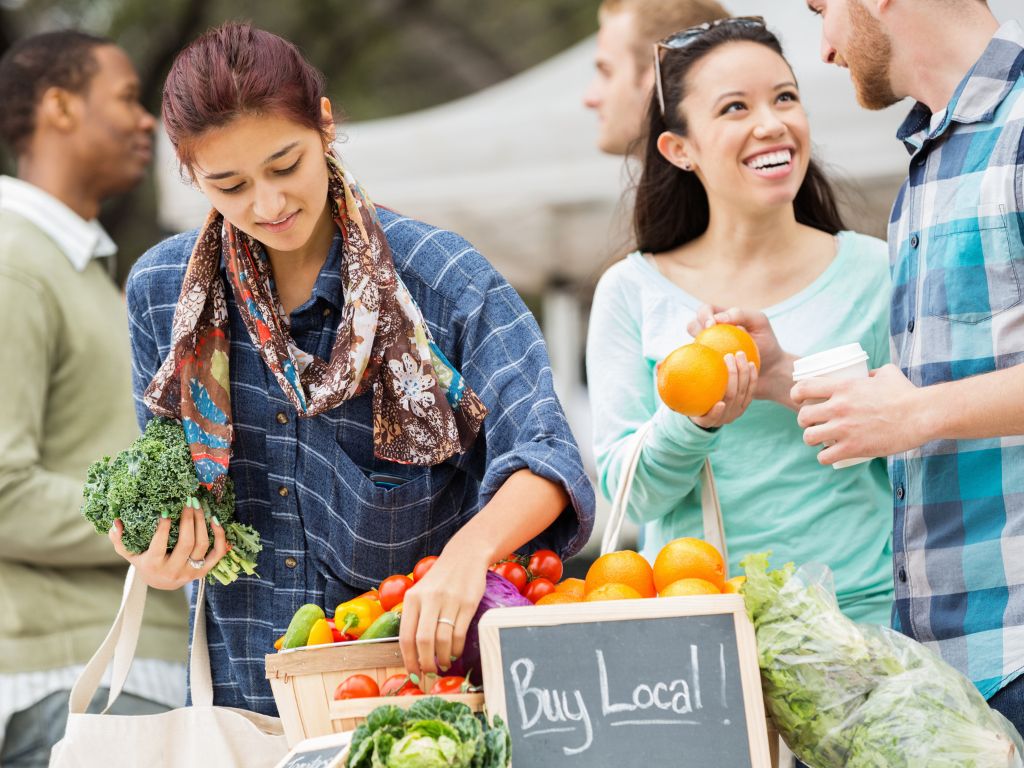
column 971, row 273
column 378, row 531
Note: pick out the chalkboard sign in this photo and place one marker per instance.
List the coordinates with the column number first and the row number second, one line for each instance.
column 631, row 682
column 321, row 752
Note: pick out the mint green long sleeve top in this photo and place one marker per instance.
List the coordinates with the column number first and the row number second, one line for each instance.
column 774, row 493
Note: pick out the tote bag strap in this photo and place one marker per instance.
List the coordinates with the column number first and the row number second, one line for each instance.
column 120, row 644
column 711, row 508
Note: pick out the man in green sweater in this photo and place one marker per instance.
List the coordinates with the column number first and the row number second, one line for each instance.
column 71, row 115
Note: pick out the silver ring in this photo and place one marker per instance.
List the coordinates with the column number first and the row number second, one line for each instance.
column 449, row 622
column 197, row 564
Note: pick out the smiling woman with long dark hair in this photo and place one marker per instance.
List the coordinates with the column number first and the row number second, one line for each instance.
column 376, row 391
column 732, row 211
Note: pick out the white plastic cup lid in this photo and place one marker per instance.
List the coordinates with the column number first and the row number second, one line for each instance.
column 828, row 361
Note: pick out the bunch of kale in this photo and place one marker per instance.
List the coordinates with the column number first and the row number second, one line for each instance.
column 432, row 733
column 155, row 478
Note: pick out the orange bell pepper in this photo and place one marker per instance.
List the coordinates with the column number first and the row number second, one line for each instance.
column 354, row 617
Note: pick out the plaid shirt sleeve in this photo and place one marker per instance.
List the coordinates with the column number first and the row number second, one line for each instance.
column 526, row 428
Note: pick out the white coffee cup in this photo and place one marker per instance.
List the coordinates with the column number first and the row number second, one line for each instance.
column 849, row 361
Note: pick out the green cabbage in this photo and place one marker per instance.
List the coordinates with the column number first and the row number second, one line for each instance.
column 432, row 733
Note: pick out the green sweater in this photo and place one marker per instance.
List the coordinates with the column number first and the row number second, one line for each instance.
column 774, row 493
column 65, row 401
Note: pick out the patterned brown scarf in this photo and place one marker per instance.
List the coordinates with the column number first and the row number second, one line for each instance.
column 423, row 411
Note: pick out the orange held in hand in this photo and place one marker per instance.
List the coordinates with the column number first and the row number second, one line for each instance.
column 729, row 339
column 625, row 567
column 688, row 558
column 692, row 379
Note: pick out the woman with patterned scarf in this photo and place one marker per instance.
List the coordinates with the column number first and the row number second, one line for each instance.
column 375, row 390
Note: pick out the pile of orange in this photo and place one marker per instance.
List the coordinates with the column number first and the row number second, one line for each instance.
column 693, row 378
column 684, row 566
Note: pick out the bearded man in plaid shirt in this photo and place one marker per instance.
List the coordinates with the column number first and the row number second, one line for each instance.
column 950, row 411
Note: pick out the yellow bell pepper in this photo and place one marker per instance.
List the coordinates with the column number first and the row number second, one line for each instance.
column 320, row 633
column 354, row 617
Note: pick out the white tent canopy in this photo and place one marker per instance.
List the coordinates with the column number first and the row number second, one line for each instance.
column 514, row 168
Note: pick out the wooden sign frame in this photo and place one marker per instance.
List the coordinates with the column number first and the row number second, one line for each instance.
column 495, row 620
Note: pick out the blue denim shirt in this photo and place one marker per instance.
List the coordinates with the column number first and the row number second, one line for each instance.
column 328, row 530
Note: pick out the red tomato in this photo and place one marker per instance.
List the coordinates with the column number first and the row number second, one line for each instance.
column 397, row 683
column 512, row 572
column 357, row 687
column 537, row 588
column 414, row 691
column 450, row 684
column 392, row 590
column 422, row 567
column 545, row 564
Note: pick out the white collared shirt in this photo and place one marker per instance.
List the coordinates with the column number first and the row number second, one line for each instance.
column 80, row 240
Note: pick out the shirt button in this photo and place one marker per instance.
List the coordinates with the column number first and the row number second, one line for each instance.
column 283, row 491
column 903, row 574
column 914, row 241
column 910, row 326
column 327, row 311
column 282, row 418
column 291, row 562
column 899, row 492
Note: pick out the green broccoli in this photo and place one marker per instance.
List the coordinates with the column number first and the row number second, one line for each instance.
column 154, row 477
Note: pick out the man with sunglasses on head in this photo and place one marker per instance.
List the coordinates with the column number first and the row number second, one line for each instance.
column 621, row 87
column 950, row 411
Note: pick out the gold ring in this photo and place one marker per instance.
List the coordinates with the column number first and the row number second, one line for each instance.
column 449, row 622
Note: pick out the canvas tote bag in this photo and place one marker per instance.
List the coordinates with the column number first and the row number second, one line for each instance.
column 711, row 508
column 199, row 735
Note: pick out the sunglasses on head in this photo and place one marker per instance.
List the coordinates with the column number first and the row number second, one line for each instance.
column 682, row 39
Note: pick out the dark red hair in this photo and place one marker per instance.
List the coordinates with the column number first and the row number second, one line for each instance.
column 233, row 70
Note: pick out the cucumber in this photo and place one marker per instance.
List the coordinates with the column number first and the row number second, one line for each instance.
column 386, row 625
column 299, row 626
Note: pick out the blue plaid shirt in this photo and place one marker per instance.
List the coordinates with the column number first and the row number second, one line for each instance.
column 328, row 530
column 957, row 255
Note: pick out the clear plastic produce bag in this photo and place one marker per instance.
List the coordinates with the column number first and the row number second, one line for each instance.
column 862, row 696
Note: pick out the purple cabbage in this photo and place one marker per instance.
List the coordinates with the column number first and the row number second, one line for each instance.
column 499, row 593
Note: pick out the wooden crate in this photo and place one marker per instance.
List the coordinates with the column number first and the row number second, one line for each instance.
column 351, row 713
column 304, row 680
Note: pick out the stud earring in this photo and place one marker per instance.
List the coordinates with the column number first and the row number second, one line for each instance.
column 687, row 166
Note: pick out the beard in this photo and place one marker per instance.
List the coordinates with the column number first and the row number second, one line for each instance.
column 868, row 58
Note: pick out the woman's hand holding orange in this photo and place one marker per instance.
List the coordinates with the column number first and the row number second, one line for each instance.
column 775, row 379
column 739, row 392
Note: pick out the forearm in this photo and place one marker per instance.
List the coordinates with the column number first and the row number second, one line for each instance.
column 40, row 522
column 523, row 508
column 985, row 406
